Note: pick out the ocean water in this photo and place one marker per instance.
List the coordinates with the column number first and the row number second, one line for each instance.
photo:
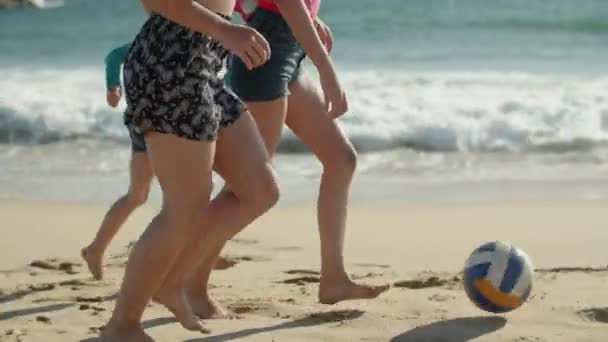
column 441, row 91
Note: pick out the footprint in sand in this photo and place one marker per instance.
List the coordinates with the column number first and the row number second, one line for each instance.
column 287, row 249
column 96, row 330
column 440, row 298
column 301, row 281
column 56, row 265
column 335, row 316
column 254, row 258
column 528, row 339
column 417, row 284
column 298, row 271
column 599, row 315
column 572, row 269
column 43, row 319
column 20, row 293
column 245, row 241
column 17, row 334
column 367, row 275
column 75, row 282
column 288, row 300
column 373, row 265
column 253, row 306
column 97, row 299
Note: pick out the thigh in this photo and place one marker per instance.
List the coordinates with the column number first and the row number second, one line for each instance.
column 241, row 158
column 269, row 119
column 183, row 168
column 308, row 119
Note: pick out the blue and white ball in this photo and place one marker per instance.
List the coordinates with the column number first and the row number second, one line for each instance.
column 498, row 277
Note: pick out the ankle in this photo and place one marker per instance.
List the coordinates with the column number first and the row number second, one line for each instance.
column 94, row 249
column 121, row 323
column 329, row 278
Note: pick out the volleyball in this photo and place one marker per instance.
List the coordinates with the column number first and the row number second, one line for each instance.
column 498, row 277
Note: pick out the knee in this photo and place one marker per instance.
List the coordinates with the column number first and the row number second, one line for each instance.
column 187, row 215
column 267, row 192
column 343, row 163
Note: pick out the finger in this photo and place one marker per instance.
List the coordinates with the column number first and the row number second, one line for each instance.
column 327, row 104
column 255, row 58
column 330, row 39
column 335, row 109
column 245, row 59
column 263, row 44
column 257, row 53
column 340, row 106
column 323, row 37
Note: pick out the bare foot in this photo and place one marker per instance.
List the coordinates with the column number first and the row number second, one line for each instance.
column 223, row 263
column 125, row 335
column 94, row 262
column 348, row 290
column 207, row 308
column 177, row 303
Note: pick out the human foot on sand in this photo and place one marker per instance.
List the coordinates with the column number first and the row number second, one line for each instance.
column 94, row 261
column 111, row 334
column 176, row 301
column 334, row 292
column 207, row 308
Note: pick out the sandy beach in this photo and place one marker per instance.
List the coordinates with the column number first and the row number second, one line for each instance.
column 474, row 121
column 47, row 295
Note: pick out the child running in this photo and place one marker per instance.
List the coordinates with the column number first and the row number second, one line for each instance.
column 278, row 93
column 141, row 175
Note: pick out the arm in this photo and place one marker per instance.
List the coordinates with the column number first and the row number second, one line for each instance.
column 302, row 26
column 113, row 61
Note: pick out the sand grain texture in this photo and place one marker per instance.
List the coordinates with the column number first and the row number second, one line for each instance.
column 46, row 294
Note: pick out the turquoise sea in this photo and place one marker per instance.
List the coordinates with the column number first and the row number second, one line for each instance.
column 443, row 93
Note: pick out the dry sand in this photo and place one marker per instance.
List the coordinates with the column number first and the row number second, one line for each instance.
column 273, row 287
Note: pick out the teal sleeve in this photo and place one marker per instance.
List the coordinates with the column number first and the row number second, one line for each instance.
column 113, row 61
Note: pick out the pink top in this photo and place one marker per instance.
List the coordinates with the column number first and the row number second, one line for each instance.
column 245, row 6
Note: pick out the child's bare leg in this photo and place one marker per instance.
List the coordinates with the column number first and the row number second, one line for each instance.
column 183, row 168
column 253, row 190
column 308, row 120
column 140, row 178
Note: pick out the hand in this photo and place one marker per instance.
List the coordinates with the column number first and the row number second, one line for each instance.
column 324, row 32
column 336, row 103
column 113, row 97
column 246, row 43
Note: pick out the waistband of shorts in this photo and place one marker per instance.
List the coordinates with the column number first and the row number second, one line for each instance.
column 269, row 14
column 157, row 16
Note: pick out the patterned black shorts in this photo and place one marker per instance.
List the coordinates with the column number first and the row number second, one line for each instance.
column 173, row 83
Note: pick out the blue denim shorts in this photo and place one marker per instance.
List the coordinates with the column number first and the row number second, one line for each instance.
column 271, row 80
